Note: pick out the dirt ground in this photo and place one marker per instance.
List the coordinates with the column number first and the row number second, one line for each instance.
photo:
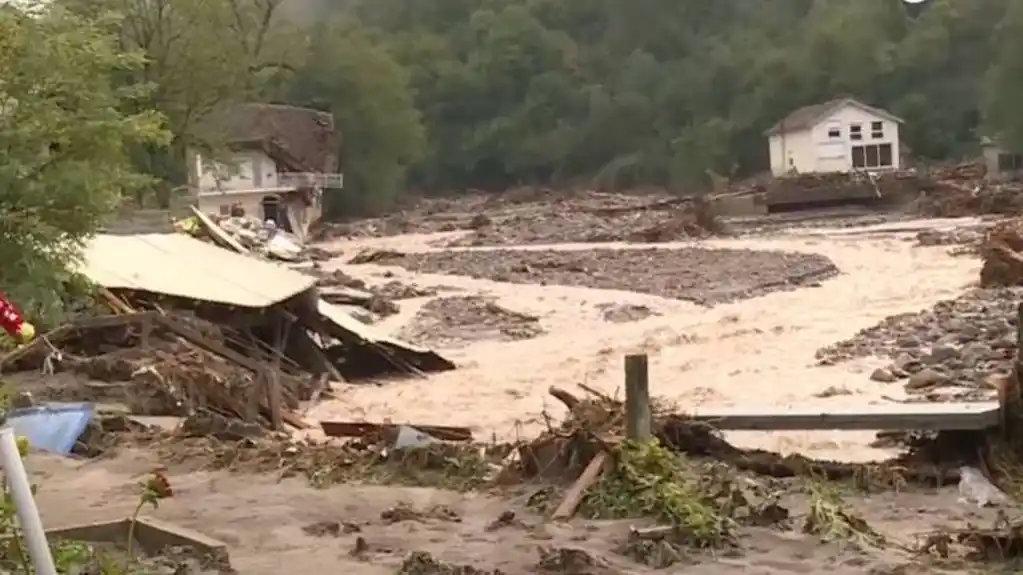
column 700, row 275
column 275, row 526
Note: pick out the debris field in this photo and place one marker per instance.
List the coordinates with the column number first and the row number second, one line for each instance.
column 700, row 275
column 237, row 380
column 458, row 320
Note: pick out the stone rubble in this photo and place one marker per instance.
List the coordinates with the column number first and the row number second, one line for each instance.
column 949, row 352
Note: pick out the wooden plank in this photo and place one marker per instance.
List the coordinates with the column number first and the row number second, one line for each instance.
column 210, row 346
column 575, row 494
column 637, row 398
column 898, row 416
column 220, row 237
column 364, row 428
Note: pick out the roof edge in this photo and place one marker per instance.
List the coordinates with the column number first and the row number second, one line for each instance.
column 778, row 128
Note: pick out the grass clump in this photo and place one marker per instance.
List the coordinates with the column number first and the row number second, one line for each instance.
column 830, row 519
column 652, row 481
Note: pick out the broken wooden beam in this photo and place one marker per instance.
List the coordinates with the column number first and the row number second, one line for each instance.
column 217, row 233
column 211, row 346
column 365, row 428
column 563, row 396
column 575, row 494
column 59, row 333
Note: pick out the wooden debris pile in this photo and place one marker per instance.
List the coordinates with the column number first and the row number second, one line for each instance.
column 817, row 188
column 960, row 198
column 965, row 171
column 1002, row 252
column 596, row 425
column 173, row 363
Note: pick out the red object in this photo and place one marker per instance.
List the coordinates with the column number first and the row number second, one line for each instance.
column 10, row 316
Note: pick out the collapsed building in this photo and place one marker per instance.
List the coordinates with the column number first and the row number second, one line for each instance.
column 183, row 324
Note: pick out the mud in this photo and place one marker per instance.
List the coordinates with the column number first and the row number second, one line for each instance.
column 261, row 540
column 460, row 320
column 700, row 275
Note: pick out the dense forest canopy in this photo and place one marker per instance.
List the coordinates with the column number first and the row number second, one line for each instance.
column 447, row 95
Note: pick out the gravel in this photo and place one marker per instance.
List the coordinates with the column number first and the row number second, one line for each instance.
column 460, row 320
column 701, row 275
column 948, row 352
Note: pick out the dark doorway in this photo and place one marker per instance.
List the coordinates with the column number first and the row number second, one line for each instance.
column 274, row 210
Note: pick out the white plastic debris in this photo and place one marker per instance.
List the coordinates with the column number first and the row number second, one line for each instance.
column 412, row 437
column 284, row 246
column 975, row 488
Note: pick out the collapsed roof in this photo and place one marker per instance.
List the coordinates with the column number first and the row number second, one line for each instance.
column 303, row 139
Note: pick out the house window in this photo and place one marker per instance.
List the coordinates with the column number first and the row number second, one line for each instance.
column 225, row 209
column 877, row 130
column 872, row 156
column 1010, row 162
column 834, row 133
column 855, row 132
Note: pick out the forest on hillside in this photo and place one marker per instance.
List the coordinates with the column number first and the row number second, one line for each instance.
column 445, row 95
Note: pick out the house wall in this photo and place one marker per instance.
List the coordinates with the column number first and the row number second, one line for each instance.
column 992, row 160
column 791, row 151
column 836, row 154
column 818, row 150
column 241, row 170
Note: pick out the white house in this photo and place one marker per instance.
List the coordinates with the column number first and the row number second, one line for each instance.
column 842, row 135
column 279, row 161
column 999, row 160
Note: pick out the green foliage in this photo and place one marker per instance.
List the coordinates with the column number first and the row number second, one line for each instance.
column 651, row 481
column 367, row 91
column 671, row 93
column 489, row 94
column 1005, row 81
column 63, row 136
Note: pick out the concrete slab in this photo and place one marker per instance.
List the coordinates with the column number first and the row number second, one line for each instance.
column 887, row 417
column 151, row 537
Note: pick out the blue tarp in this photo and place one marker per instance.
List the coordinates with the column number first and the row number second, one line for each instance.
column 53, row 427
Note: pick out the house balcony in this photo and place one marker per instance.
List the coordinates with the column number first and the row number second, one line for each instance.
column 311, row 179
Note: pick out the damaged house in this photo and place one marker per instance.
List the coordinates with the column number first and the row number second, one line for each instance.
column 276, row 163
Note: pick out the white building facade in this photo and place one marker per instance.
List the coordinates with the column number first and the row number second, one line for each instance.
column 842, row 135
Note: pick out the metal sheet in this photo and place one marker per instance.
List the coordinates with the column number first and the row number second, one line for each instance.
column 182, row 266
column 53, row 427
column 420, row 357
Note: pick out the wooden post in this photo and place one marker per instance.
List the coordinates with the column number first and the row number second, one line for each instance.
column 637, row 398
column 1009, row 392
column 273, row 375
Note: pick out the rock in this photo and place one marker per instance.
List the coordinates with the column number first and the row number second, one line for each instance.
column 965, row 340
column 908, row 341
column 925, row 379
column 907, row 364
column 883, row 375
column 940, row 354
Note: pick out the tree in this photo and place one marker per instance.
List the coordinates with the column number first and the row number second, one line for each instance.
column 368, row 93
column 200, row 56
column 1004, row 87
column 63, row 146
